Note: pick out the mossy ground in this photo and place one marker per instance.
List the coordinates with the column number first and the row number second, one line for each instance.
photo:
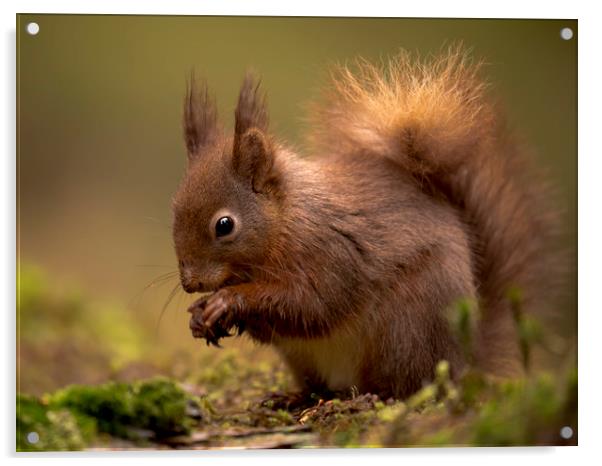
column 243, row 397
column 234, row 407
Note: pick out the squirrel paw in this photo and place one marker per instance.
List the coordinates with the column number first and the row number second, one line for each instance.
column 212, row 317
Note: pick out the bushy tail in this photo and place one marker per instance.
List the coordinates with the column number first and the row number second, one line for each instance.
column 434, row 118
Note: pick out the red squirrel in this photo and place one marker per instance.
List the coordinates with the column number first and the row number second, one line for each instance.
column 347, row 260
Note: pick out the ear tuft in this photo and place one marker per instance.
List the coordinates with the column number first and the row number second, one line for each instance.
column 200, row 117
column 253, row 159
column 251, row 110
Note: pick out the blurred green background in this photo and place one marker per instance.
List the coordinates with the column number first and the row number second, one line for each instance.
column 100, row 154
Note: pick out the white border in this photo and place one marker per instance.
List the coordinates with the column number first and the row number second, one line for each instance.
column 590, row 106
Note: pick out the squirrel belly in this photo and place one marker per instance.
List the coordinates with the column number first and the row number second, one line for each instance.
column 331, row 362
column 348, row 259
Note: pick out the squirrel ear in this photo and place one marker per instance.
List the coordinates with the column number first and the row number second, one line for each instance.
column 253, row 155
column 200, row 118
column 253, row 159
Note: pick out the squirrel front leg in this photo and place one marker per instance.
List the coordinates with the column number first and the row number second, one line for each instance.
column 264, row 308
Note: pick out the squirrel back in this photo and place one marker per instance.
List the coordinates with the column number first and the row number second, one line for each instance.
column 347, row 261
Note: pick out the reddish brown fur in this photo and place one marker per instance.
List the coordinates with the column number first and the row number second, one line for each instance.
column 348, row 261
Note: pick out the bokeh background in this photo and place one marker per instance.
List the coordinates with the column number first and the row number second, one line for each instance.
column 100, row 154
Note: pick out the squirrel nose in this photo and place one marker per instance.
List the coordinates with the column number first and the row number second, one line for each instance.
column 190, row 287
column 191, row 284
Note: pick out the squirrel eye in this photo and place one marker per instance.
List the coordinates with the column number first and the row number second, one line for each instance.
column 224, row 226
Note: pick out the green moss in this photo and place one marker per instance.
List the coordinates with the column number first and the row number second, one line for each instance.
column 161, row 406
column 111, row 404
column 522, row 413
column 70, row 418
column 122, row 409
column 217, row 375
column 42, row 429
column 390, row 413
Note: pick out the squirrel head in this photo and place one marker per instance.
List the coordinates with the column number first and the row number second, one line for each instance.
column 226, row 205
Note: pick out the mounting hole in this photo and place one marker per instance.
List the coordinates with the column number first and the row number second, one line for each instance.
column 33, row 437
column 566, row 432
column 32, row 28
column 566, row 33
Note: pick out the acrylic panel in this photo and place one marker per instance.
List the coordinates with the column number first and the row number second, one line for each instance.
column 294, row 232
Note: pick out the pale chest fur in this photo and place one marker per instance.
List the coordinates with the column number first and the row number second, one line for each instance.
column 334, row 359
